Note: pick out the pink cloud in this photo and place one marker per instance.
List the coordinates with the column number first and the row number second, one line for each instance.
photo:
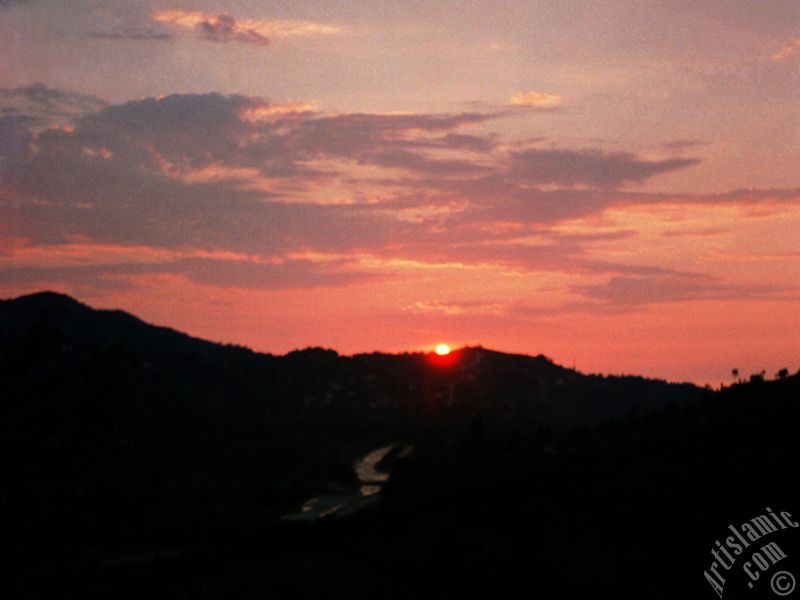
column 179, row 173
column 227, row 28
column 535, row 99
column 788, row 52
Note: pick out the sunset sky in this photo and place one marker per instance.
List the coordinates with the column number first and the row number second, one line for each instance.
column 611, row 183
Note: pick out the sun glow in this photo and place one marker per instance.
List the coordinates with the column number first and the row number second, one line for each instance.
column 442, row 349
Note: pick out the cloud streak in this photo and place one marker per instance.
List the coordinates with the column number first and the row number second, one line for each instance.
column 788, row 52
column 227, row 28
column 534, row 99
column 669, row 287
column 39, row 102
column 131, row 33
column 592, row 168
column 216, row 272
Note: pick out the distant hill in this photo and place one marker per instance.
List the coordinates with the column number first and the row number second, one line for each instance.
column 82, row 326
column 53, row 329
column 160, row 397
column 116, row 434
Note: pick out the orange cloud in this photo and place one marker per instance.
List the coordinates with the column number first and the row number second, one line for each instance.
column 787, row 52
column 534, row 99
column 263, row 112
column 225, row 28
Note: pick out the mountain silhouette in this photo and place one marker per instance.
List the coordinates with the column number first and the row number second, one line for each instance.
column 136, row 458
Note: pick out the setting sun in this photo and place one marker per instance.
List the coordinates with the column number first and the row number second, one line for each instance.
column 442, row 349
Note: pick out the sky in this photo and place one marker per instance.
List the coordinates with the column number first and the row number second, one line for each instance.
column 611, row 183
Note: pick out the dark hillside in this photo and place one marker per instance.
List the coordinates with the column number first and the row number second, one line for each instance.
column 118, row 437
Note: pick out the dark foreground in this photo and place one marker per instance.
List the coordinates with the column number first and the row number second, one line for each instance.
column 139, row 462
